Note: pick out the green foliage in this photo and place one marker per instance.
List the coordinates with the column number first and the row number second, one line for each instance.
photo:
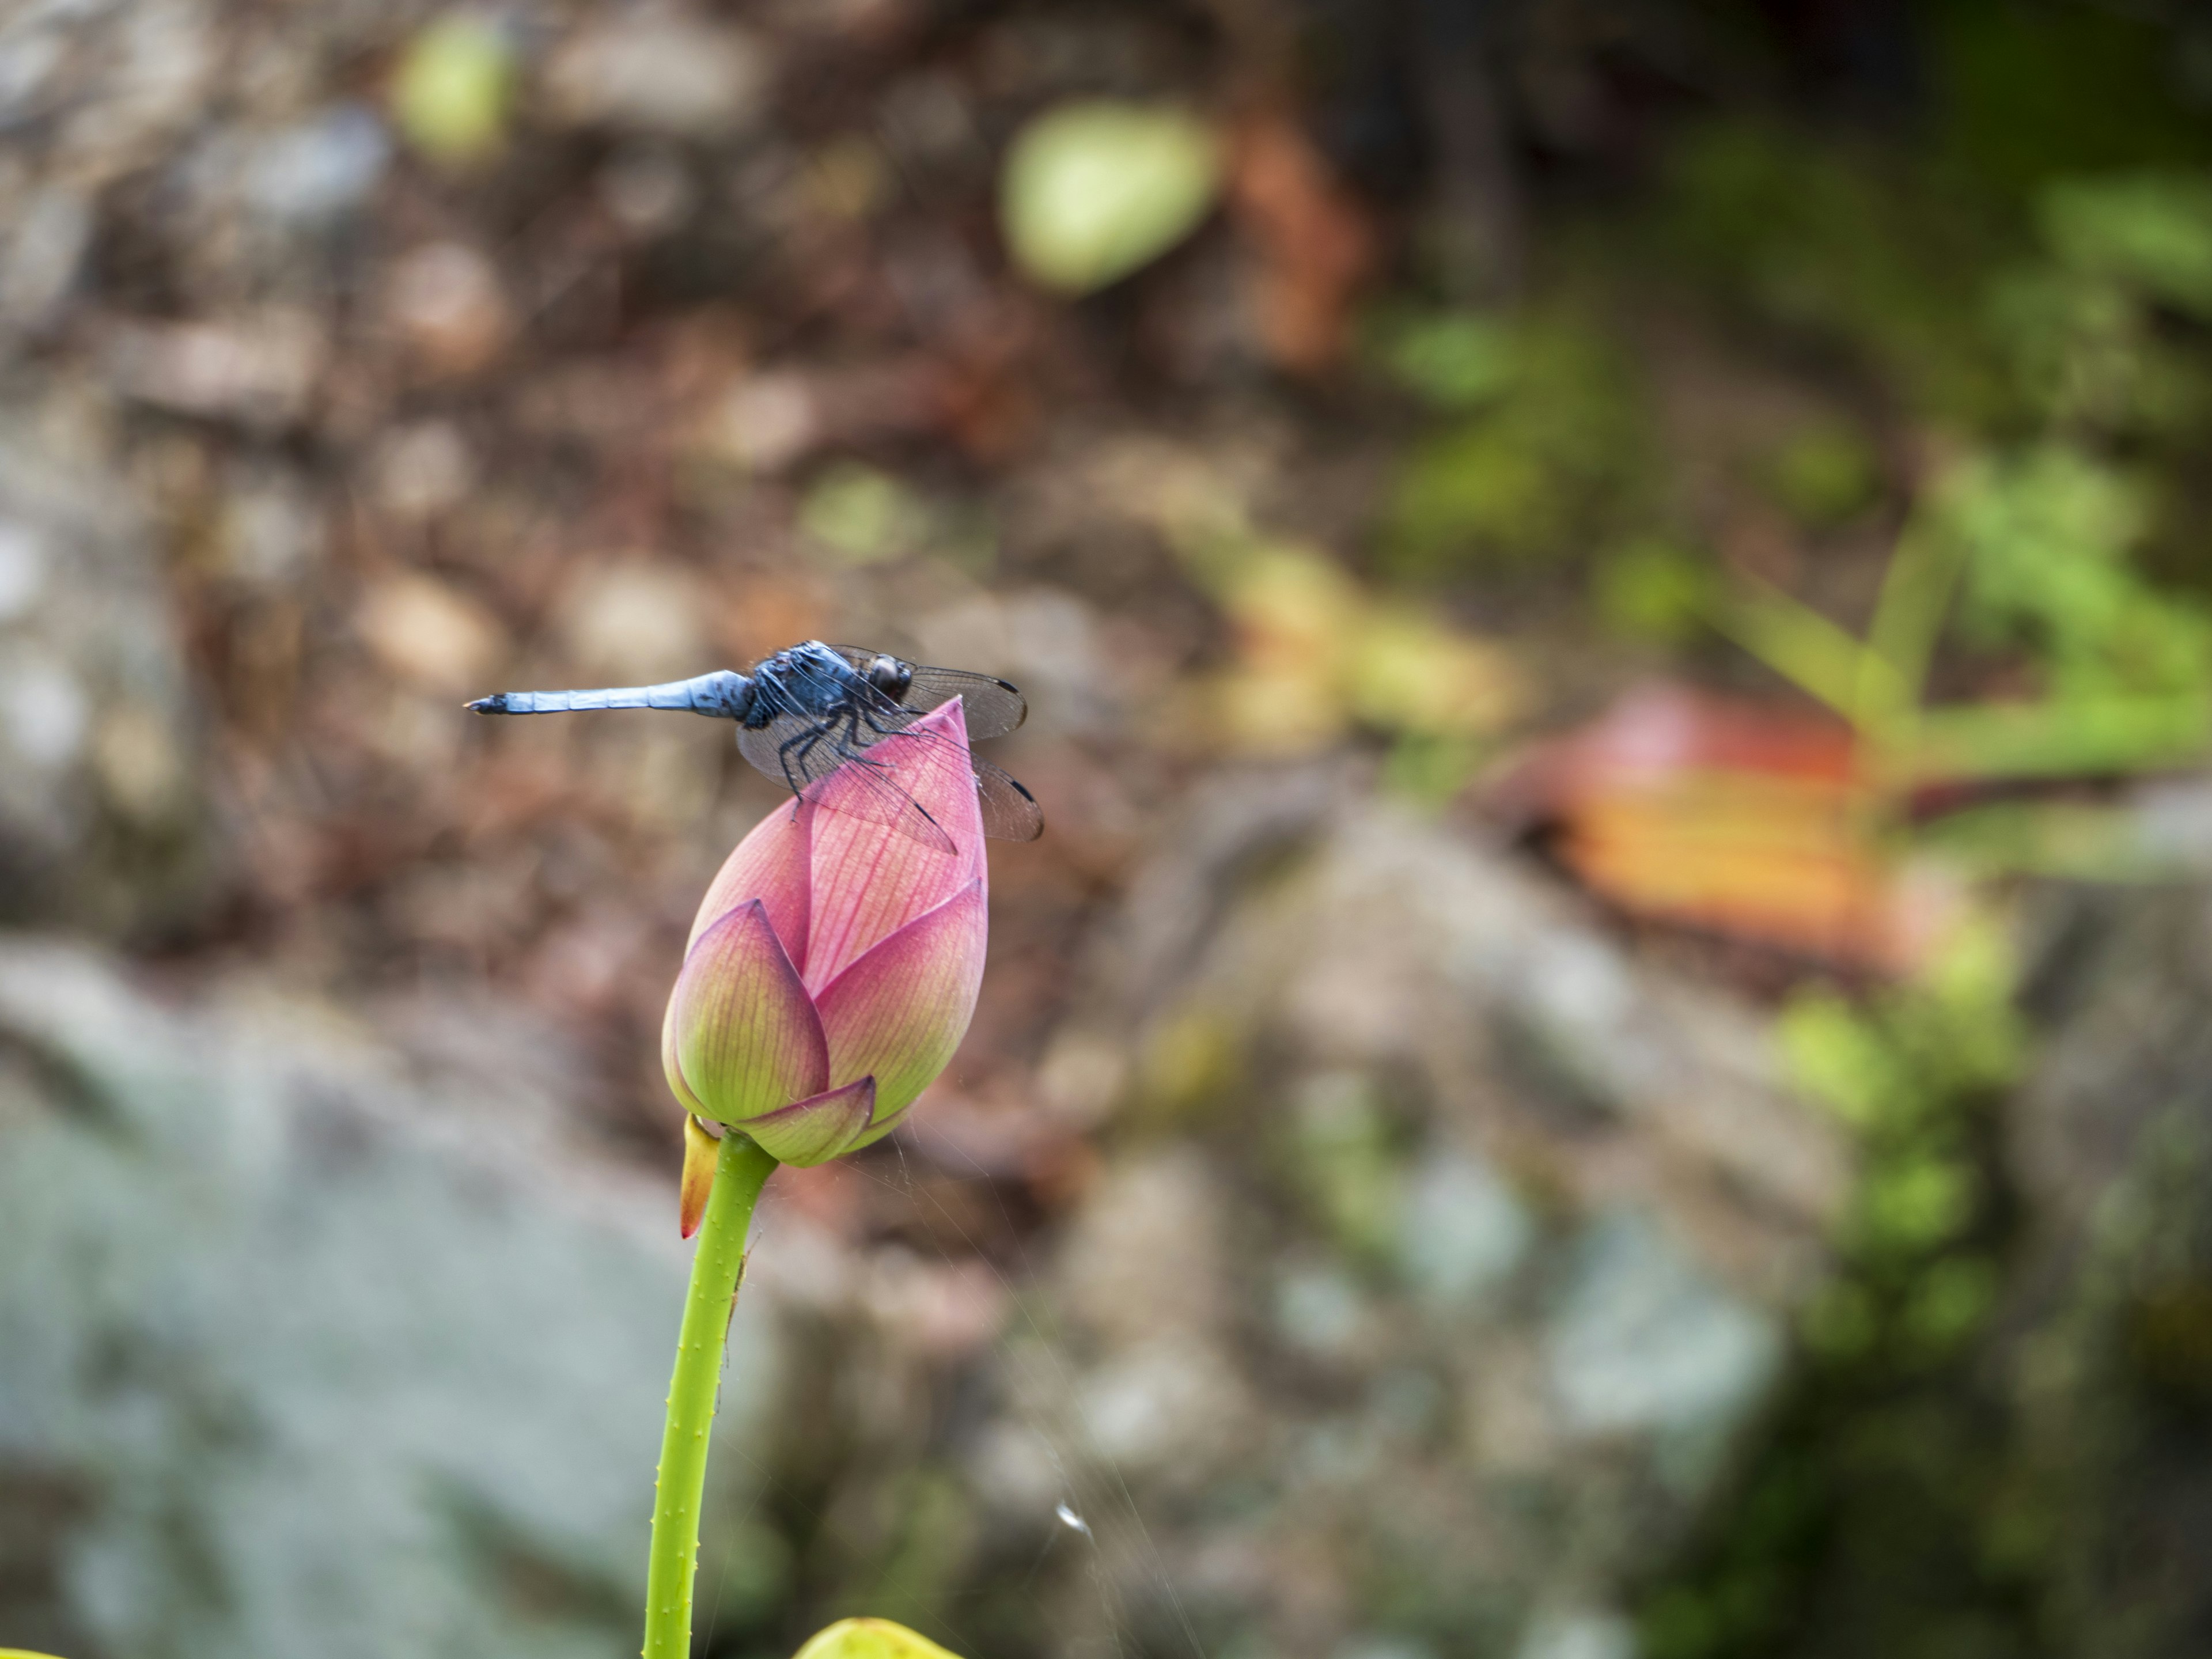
column 1550, row 449
column 2149, row 232
column 1906, row 1072
column 1885, row 1471
column 1823, row 476
column 1859, row 250
column 2050, row 539
column 2030, row 276
column 2026, row 93
column 855, row 514
column 2047, row 536
column 1651, row 589
column 2086, row 329
column 2074, row 840
column 1430, row 768
column 1886, row 1067
column 1456, row 361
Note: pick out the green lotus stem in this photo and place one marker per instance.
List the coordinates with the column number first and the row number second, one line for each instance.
column 741, row 1169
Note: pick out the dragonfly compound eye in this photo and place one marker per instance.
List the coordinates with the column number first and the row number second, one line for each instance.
column 890, row 677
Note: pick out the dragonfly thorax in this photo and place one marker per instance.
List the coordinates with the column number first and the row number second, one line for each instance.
column 809, row 680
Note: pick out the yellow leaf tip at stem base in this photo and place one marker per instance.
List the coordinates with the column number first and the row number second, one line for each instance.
column 700, row 1150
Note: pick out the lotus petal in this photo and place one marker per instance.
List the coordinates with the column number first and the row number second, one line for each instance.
column 815, row 1130
column 741, row 1038
column 898, row 1013
column 875, row 1131
column 770, row 864
column 869, row 881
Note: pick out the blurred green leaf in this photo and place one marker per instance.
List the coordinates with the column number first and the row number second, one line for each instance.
column 1483, row 486
column 1457, row 360
column 2048, row 535
column 2089, row 738
column 1551, row 463
column 1895, row 1065
column 1823, row 476
column 872, row 1638
column 1406, row 670
column 1429, row 769
column 1838, row 1057
column 2071, row 839
column 451, row 91
column 1095, row 190
column 1911, row 1205
column 1842, row 1322
column 1848, row 244
column 1951, row 1298
column 1798, row 643
column 1651, row 589
column 2025, row 93
column 1959, row 1016
column 2078, row 348
column 861, row 512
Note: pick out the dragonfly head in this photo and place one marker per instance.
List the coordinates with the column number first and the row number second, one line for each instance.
column 890, row 677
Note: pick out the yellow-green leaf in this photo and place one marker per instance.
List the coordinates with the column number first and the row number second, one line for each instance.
column 872, row 1638
column 1094, row 190
column 450, row 94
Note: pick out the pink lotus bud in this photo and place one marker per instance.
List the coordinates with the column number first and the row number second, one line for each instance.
column 834, row 962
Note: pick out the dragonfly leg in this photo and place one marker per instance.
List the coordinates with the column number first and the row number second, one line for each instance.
column 783, row 757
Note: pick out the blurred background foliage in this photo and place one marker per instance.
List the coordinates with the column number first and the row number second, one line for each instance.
column 1600, row 1058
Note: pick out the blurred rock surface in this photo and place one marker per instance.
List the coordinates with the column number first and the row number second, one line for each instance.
column 308, row 1348
column 103, row 817
column 1445, row 1251
column 2109, row 1353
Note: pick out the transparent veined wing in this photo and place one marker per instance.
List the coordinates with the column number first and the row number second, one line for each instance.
column 806, row 757
column 994, row 706
column 878, row 778
column 1010, row 811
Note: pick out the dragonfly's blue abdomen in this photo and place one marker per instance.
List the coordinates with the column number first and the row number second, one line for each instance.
column 723, row 695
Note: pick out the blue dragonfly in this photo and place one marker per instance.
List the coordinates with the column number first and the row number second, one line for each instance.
column 834, row 724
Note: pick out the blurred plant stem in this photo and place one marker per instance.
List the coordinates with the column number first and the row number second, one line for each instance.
column 741, row 1169
column 1875, row 685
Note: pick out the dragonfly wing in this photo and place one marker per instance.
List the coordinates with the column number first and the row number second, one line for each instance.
column 1010, row 811
column 873, row 783
column 992, row 707
column 792, row 748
